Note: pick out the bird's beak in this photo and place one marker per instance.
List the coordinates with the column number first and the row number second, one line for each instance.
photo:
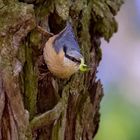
column 83, row 67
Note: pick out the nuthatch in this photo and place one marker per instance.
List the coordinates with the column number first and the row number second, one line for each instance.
column 62, row 54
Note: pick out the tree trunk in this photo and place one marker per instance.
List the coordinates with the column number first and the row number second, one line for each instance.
column 34, row 104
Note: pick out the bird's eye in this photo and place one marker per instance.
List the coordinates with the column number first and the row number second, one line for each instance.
column 65, row 49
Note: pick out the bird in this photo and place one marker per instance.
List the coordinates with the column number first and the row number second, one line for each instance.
column 62, row 54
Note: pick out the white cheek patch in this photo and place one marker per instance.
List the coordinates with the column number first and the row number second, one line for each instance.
column 69, row 63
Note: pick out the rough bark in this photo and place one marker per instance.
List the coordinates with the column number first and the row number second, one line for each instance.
column 34, row 104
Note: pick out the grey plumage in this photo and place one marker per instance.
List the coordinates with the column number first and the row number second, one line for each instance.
column 66, row 38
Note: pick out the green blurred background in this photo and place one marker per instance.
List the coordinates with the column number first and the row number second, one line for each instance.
column 120, row 75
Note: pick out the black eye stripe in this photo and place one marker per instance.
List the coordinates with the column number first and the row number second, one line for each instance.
column 73, row 59
column 70, row 57
column 65, row 49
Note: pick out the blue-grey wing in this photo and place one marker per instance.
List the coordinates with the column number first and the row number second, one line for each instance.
column 66, row 38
